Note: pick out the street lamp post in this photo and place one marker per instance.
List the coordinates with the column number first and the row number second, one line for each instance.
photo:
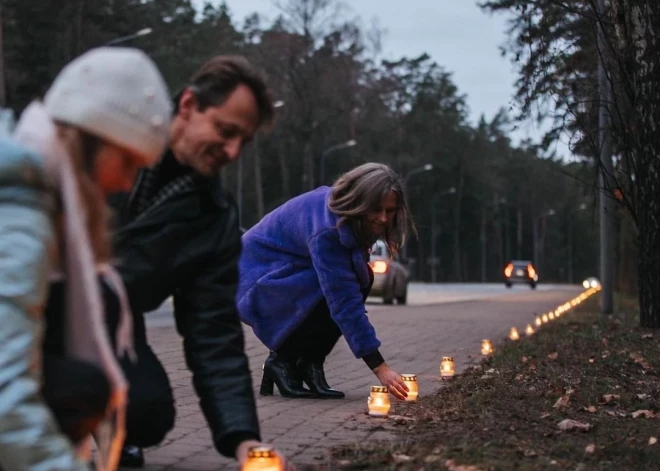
column 434, row 232
column 330, row 150
column 582, row 207
column 415, row 171
column 239, row 182
column 123, row 39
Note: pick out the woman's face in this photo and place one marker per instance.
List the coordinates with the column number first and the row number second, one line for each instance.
column 380, row 218
column 115, row 168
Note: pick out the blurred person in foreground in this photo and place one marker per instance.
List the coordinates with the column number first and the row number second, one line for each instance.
column 94, row 129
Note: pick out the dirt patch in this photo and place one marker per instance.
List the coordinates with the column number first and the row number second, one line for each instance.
column 580, row 394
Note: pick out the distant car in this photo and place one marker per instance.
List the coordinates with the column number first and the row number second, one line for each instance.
column 591, row 282
column 390, row 277
column 520, row 271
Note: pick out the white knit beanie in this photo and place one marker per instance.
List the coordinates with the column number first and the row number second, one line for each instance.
column 116, row 94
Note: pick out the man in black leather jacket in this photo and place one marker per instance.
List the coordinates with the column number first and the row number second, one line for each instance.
column 178, row 235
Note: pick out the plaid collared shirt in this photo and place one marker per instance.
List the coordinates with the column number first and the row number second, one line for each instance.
column 147, row 197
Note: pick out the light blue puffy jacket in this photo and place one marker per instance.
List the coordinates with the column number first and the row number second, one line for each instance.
column 29, row 437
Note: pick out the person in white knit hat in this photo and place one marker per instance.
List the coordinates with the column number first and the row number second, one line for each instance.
column 106, row 115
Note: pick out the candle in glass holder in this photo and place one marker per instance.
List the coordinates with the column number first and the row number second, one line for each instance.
column 486, row 347
column 544, row 318
column 413, row 386
column 262, row 458
column 514, row 335
column 379, row 401
column 447, row 369
column 529, row 330
column 551, row 315
column 538, row 321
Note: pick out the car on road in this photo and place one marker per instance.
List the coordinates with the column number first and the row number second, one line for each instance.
column 591, row 282
column 390, row 276
column 520, row 271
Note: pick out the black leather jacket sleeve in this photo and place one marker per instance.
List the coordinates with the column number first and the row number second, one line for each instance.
column 214, row 345
column 192, row 254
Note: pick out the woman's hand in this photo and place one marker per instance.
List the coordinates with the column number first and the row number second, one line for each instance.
column 390, row 378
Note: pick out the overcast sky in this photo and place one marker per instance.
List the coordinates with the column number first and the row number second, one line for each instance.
column 455, row 33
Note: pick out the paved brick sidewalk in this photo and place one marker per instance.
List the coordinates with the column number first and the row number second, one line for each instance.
column 414, row 338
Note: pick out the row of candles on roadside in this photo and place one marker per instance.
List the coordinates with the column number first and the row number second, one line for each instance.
column 379, row 399
column 265, row 458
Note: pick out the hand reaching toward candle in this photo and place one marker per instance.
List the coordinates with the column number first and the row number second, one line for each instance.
column 390, row 378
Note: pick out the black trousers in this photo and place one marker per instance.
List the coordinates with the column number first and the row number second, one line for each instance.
column 77, row 393
column 151, row 411
column 314, row 339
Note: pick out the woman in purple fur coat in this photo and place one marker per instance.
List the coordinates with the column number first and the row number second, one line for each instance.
column 304, row 278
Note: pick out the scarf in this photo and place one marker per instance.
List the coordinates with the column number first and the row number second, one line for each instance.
column 85, row 333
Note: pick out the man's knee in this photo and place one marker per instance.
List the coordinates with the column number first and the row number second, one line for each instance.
column 148, row 421
column 151, row 410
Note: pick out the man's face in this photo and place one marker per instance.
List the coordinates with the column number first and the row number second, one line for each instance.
column 207, row 140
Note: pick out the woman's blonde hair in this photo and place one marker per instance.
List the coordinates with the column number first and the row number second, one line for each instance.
column 360, row 191
column 82, row 147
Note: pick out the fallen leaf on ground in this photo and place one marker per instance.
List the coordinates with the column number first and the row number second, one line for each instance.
column 647, row 336
column 562, row 402
column 553, row 355
column 609, row 398
column 591, row 449
column 545, row 415
column 530, row 453
column 642, row 396
column 524, row 359
column 452, row 466
column 400, row 417
column 569, row 424
column 401, row 458
column 591, row 360
column 432, row 458
column 653, row 441
column 639, row 413
column 590, row 409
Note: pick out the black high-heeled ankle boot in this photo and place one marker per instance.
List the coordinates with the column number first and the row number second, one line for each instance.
column 285, row 375
column 131, row 457
column 314, row 376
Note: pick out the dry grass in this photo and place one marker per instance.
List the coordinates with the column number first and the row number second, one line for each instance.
column 504, row 414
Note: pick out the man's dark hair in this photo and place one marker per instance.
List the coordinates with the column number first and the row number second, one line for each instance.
column 218, row 78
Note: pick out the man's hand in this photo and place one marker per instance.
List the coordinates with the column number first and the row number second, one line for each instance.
column 390, row 378
column 244, row 448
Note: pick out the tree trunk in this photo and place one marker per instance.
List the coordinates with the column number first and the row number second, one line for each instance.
column 3, row 95
column 78, row 43
column 285, row 175
column 258, row 181
column 519, row 238
column 308, row 166
column 645, row 19
column 498, row 235
column 484, row 247
column 507, row 236
column 535, row 244
column 570, row 249
column 458, row 276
